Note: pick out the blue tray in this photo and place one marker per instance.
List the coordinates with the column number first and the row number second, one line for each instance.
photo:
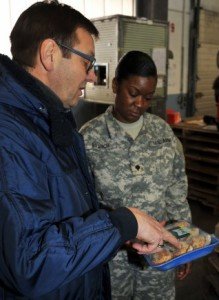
column 185, row 258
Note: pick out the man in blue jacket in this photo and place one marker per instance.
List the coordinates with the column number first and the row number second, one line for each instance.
column 55, row 241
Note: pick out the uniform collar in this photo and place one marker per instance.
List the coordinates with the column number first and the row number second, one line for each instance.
column 115, row 130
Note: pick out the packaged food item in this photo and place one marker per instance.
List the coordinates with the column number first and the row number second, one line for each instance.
column 185, row 247
column 194, row 243
column 162, row 256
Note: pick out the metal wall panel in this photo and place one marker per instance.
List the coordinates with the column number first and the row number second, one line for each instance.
column 106, row 51
column 209, row 27
column 152, row 9
column 118, row 36
column 207, row 69
column 150, row 36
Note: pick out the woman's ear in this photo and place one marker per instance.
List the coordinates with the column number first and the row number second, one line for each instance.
column 114, row 85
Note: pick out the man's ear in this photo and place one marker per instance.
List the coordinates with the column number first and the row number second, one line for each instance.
column 114, row 85
column 47, row 52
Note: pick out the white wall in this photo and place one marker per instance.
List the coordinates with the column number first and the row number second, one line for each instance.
column 212, row 5
column 11, row 9
column 9, row 12
column 5, row 26
column 178, row 17
column 179, row 14
column 100, row 8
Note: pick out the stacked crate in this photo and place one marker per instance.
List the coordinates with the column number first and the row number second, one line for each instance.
column 201, row 148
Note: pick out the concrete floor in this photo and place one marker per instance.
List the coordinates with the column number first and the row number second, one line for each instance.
column 196, row 286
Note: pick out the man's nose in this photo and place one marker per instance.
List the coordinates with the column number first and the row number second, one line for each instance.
column 91, row 77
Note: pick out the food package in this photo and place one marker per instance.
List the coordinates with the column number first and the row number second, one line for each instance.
column 194, row 243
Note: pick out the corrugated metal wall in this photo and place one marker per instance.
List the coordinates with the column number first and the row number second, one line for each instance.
column 206, row 62
column 148, row 37
column 117, row 37
column 106, row 51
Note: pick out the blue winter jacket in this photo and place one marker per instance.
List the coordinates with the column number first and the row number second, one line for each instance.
column 54, row 241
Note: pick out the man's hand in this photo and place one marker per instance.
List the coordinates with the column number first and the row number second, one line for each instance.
column 151, row 233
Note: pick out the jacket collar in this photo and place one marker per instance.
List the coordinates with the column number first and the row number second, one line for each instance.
column 61, row 120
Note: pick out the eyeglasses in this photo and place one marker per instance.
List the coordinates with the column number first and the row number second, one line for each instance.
column 90, row 58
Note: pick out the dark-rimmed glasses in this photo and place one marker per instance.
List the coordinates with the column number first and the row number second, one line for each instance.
column 90, row 58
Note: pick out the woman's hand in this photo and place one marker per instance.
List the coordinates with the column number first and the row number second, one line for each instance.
column 183, row 271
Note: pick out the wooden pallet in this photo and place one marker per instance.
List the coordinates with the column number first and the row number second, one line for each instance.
column 201, row 149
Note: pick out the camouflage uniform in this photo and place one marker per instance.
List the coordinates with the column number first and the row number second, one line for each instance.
column 147, row 173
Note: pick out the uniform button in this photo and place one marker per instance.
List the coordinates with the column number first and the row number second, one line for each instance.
column 137, row 167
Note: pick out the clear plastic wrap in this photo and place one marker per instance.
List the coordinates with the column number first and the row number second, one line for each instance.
column 195, row 243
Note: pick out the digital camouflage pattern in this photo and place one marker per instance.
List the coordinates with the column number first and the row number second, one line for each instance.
column 147, row 173
column 148, row 284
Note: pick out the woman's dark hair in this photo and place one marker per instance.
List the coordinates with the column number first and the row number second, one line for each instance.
column 45, row 20
column 216, row 84
column 135, row 63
